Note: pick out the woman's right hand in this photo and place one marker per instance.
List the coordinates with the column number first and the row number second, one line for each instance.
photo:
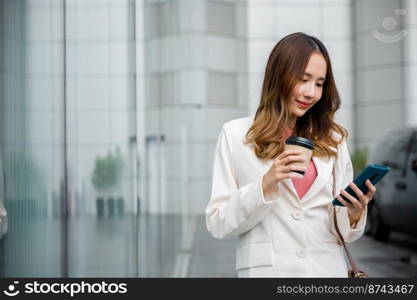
column 281, row 170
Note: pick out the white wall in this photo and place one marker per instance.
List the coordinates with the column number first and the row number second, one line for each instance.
column 195, row 80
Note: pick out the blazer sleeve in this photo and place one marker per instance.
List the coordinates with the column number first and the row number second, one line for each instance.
column 344, row 175
column 233, row 210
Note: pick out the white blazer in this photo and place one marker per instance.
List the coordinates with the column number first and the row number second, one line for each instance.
column 285, row 236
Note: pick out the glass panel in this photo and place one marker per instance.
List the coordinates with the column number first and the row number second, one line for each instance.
column 101, row 139
column 31, row 135
column 164, row 250
column 79, row 201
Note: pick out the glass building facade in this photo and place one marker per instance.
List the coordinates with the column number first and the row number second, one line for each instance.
column 110, row 111
column 69, row 140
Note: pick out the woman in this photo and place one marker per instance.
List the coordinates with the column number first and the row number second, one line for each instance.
column 285, row 220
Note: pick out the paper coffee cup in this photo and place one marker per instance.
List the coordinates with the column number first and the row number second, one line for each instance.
column 303, row 144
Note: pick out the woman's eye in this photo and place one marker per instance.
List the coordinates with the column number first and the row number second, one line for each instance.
column 319, row 84
column 304, row 80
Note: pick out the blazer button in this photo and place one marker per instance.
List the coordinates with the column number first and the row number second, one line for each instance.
column 301, row 253
column 296, row 215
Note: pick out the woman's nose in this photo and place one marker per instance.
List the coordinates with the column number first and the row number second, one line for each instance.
column 309, row 90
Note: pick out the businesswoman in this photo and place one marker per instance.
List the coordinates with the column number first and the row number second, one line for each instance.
column 285, row 220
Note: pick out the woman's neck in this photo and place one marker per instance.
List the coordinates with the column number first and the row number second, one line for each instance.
column 292, row 123
column 286, row 134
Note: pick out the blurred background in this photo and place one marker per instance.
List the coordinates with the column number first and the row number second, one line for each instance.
column 110, row 111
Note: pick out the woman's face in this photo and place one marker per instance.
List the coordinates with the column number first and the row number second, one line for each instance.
column 310, row 88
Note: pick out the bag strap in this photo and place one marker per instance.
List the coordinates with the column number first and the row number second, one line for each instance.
column 352, row 262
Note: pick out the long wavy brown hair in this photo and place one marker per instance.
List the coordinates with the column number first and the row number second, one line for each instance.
column 284, row 70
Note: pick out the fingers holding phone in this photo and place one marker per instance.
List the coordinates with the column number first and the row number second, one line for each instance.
column 363, row 186
column 356, row 205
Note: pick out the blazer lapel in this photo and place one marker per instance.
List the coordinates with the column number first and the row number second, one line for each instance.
column 286, row 183
column 324, row 167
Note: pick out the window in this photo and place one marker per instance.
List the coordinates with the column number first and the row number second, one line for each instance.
column 397, row 146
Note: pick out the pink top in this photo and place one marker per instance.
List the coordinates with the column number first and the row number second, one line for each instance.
column 302, row 185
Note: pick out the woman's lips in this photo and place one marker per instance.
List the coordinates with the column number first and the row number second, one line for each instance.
column 302, row 105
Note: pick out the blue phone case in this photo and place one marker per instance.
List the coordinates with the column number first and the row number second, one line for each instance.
column 372, row 172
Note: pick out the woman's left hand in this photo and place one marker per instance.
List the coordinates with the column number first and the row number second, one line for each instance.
column 356, row 207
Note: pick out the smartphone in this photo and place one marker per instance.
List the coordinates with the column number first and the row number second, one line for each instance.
column 372, row 172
